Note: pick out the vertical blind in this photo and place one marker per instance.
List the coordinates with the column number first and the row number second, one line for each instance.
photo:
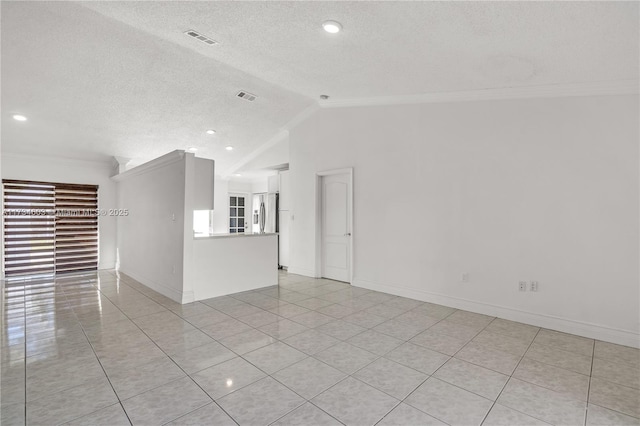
column 49, row 227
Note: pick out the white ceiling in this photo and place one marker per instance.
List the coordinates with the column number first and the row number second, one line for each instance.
column 99, row 79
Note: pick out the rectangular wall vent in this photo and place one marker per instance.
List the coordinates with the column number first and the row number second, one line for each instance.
column 247, row 96
column 200, row 37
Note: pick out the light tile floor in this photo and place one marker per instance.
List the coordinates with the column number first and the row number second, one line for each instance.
column 98, row 349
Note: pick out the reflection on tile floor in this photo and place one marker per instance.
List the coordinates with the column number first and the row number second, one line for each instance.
column 102, row 349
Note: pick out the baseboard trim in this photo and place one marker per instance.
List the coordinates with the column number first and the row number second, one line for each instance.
column 580, row 328
column 107, row 265
column 301, row 271
column 188, row 297
column 173, row 294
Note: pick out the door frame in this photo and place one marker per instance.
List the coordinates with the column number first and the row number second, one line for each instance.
column 319, row 175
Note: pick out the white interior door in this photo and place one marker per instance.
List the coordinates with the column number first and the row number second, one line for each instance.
column 336, row 227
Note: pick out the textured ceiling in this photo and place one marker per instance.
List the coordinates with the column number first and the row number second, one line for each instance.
column 93, row 88
column 98, row 79
column 400, row 48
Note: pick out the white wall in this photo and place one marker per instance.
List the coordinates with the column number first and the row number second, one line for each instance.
column 151, row 237
column 156, row 239
column 220, row 217
column 538, row 189
column 50, row 169
column 204, row 184
column 285, row 219
column 275, row 154
column 239, row 187
column 285, row 190
column 1, row 238
column 260, row 185
column 220, row 264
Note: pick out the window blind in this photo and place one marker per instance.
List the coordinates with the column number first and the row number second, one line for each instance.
column 49, row 227
column 29, row 228
column 76, row 228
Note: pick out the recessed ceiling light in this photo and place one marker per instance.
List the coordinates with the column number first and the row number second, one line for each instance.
column 211, row 132
column 237, row 174
column 332, row 26
column 192, row 149
column 228, row 148
column 19, row 117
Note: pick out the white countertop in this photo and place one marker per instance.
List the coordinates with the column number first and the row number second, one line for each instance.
column 238, row 235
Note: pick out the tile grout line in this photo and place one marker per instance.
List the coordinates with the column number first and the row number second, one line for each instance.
column 551, row 389
column 168, row 356
column 99, row 362
column 188, row 375
column 593, row 356
column 24, row 303
column 541, row 362
column 443, row 364
column 96, row 355
column 172, row 360
column 521, row 357
column 271, row 375
column 319, row 360
column 453, row 356
column 413, row 391
column 401, row 401
column 313, row 357
column 213, row 401
column 267, row 375
column 510, row 377
column 166, row 308
column 24, row 319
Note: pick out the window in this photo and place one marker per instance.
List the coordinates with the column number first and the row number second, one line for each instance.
column 49, row 227
column 236, row 214
column 202, row 222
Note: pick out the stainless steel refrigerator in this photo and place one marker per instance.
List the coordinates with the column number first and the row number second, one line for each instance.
column 265, row 213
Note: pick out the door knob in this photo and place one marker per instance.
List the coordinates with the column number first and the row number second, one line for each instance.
column 348, row 234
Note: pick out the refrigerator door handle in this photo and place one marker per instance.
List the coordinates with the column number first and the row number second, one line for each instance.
column 263, row 219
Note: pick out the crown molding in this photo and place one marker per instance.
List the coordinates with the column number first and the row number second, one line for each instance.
column 172, row 157
column 7, row 156
column 600, row 88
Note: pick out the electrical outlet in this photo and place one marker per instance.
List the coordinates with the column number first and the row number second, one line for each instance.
column 533, row 285
column 522, row 286
column 464, row 277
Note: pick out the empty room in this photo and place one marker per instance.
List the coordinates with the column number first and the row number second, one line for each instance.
column 320, row 213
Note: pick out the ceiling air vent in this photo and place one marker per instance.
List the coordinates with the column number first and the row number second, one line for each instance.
column 247, row 96
column 200, row 37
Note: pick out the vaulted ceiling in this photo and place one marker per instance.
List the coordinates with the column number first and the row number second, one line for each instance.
column 100, row 79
